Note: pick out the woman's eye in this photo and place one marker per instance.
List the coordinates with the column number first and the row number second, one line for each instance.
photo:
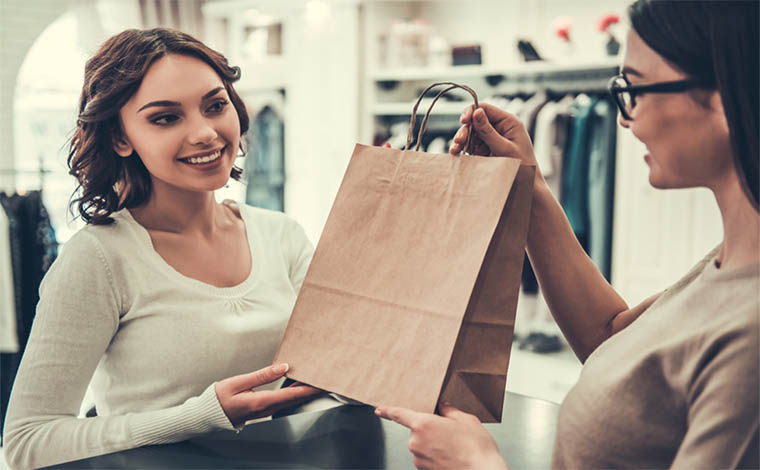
column 218, row 106
column 164, row 120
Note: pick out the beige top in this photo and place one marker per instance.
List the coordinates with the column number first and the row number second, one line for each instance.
column 678, row 388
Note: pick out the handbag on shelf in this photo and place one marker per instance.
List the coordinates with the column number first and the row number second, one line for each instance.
column 410, row 297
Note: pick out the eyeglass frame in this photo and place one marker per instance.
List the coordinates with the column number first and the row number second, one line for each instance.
column 676, row 86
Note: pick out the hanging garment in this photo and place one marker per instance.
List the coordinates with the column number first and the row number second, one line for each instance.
column 601, row 183
column 265, row 165
column 514, row 106
column 527, row 115
column 550, row 140
column 530, row 110
column 8, row 335
column 9, row 362
column 33, row 250
column 575, row 169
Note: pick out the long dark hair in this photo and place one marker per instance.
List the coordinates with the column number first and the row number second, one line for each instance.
column 107, row 182
column 717, row 41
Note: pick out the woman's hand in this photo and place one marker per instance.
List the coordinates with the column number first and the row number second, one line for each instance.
column 453, row 440
column 241, row 403
column 497, row 133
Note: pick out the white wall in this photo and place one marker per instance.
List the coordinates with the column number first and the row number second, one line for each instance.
column 322, row 107
column 21, row 21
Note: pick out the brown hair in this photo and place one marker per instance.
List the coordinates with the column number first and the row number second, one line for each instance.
column 107, row 182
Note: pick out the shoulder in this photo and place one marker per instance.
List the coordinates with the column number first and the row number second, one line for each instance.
column 86, row 249
column 742, row 324
column 107, row 234
column 687, row 278
column 731, row 343
column 82, row 267
column 106, row 247
column 273, row 222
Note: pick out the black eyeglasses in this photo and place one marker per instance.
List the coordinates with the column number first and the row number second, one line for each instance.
column 625, row 94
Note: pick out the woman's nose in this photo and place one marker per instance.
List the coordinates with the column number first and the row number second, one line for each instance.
column 202, row 132
column 623, row 121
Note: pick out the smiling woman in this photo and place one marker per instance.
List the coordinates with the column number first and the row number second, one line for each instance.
column 109, row 104
column 167, row 300
column 178, row 126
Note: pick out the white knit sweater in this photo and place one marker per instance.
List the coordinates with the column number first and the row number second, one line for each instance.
column 151, row 341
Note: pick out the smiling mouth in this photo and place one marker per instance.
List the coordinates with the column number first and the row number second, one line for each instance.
column 204, row 158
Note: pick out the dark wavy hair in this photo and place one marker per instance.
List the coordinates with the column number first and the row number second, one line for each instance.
column 717, row 41
column 107, row 182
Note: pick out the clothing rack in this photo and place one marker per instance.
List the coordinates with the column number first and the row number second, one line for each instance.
column 8, row 176
column 557, row 82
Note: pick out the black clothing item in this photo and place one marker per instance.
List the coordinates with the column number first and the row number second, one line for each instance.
column 33, row 250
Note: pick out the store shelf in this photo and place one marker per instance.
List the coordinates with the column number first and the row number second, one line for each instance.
column 405, row 109
column 467, row 71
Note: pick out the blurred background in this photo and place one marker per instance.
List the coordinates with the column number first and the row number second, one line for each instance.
column 319, row 76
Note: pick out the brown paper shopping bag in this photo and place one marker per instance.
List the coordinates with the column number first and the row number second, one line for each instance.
column 411, row 295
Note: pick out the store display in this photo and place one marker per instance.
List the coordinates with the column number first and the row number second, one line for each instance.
column 466, row 55
column 604, row 25
column 527, row 50
column 406, row 44
column 562, row 26
column 440, row 52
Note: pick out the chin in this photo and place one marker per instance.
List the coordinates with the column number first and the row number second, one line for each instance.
column 657, row 184
column 656, row 180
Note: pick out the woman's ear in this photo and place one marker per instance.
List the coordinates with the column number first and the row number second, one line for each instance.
column 122, row 146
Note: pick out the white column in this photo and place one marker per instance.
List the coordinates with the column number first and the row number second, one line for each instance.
column 322, row 46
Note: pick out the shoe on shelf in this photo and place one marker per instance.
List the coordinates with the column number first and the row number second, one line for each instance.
column 541, row 343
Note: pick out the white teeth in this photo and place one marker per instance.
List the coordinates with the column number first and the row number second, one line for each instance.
column 206, row 159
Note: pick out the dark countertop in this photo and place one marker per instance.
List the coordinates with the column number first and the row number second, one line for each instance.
column 343, row 437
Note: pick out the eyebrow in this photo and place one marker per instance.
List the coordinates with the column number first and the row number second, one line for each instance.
column 627, row 70
column 165, row 103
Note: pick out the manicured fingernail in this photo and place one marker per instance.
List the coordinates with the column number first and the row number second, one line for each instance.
column 479, row 117
column 280, row 368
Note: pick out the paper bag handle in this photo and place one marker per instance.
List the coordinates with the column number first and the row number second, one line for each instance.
column 430, row 108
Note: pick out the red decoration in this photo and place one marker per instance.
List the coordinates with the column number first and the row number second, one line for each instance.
column 605, row 21
column 561, row 26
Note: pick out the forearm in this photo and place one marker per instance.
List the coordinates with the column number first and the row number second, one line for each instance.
column 42, row 439
column 581, row 300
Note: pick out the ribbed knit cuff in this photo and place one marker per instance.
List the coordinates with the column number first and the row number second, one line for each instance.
column 198, row 415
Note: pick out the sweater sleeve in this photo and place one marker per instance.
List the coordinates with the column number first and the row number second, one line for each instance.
column 77, row 316
column 722, row 421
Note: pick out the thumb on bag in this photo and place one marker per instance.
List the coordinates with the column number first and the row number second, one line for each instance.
column 251, row 380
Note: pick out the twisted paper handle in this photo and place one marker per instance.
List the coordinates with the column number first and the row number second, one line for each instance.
column 452, row 86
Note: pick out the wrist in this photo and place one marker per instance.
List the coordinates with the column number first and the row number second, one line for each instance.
column 492, row 461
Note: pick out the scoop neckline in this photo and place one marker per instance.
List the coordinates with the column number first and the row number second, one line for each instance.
column 713, row 273
column 146, row 243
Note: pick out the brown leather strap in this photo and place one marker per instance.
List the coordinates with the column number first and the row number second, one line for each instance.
column 452, row 86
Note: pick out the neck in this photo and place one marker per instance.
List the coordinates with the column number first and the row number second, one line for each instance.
column 741, row 226
column 179, row 211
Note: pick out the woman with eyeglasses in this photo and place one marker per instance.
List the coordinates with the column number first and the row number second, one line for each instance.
column 672, row 382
